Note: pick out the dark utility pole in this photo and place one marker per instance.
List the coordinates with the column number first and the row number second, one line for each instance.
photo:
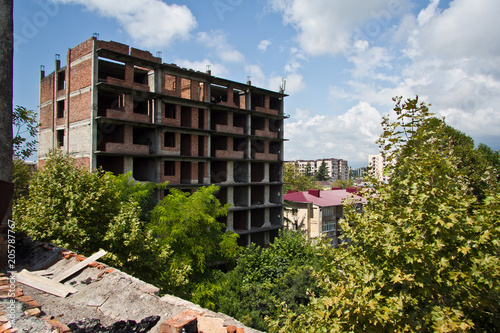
column 6, row 54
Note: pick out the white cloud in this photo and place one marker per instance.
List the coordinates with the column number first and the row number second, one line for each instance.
column 350, row 136
column 217, row 40
column 150, row 23
column 465, row 29
column 327, row 27
column 264, row 44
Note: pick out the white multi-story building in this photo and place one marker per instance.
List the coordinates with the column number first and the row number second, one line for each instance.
column 377, row 164
column 338, row 169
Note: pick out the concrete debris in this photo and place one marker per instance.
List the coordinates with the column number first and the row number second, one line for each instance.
column 107, row 299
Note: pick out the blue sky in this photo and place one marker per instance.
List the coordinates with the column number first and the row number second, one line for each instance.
column 343, row 61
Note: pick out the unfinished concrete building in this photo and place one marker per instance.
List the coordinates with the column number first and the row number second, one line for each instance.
column 121, row 109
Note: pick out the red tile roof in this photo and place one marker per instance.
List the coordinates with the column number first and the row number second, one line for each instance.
column 325, row 199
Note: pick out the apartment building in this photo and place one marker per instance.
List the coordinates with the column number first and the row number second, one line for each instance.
column 338, row 169
column 317, row 212
column 376, row 165
column 121, row 109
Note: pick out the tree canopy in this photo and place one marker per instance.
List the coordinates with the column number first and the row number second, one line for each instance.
column 424, row 255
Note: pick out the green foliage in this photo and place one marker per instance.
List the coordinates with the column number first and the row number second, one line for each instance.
column 344, row 183
column 265, row 279
column 322, row 173
column 424, row 255
column 188, row 225
column 21, row 176
column 25, row 124
column 295, row 180
column 85, row 211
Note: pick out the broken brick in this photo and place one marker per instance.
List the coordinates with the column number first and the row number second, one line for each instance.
column 109, row 270
column 231, row 329
column 186, row 320
column 57, row 325
column 35, row 312
column 80, row 257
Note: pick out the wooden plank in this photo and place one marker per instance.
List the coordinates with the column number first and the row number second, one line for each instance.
column 44, row 284
column 78, row 267
column 42, row 272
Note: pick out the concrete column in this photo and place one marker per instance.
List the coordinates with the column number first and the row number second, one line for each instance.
column 128, row 164
column 266, row 173
column 230, row 222
column 230, row 195
column 267, row 218
column 230, row 172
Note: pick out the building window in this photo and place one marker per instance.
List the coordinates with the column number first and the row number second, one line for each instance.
column 328, row 211
column 60, row 138
column 328, row 226
column 60, row 109
column 170, row 111
column 169, row 139
column 169, row 168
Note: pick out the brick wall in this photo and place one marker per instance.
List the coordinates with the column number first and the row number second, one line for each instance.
column 80, row 107
column 82, row 49
column 81, row 75
column 114, row 46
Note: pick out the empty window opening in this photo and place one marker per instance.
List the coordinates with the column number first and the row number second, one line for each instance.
column 257, row 220
column 186, row 144
column 241, row 196
column 218, row 118
column 170, row 82
column 221, row 195
column 185, row 88
column 169, row 139
column 60, row 109
column 109, row 133
column 142, row 136
column 218, row 172
column 144, row 169
column 110, row 101
column 170, row 110
column 257, row 101
column 258, row 123
column 275, row 125
column 218, row 143
column 185, row 116
column 237, row 97
column 114, row 164
column 169, row 168
column 61, row 80
column 257, row 195
column 186, row 173
column 201, row 119
column 239, row 144
column 201, row 172
column 274, row 147
column 141, row 106
column 141, row 75
column 258, row 146
column 257, row 172
column 219, row 94
column 240, row 120
column 275, row 215
column 275, row 172
column 274, row 103
column 276, row 194
column 240, row 220
column 201, row 146
column 240, row 173
column 60, row 138
column 111, row 68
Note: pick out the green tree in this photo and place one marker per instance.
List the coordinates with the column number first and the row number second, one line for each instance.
column 322, row 173
column 21, row 176
column 344, row 183
column 188, row 225
column 26, row 129
column 295, row 180
column 308, row 171
column 420, row 258
column 85, row 211
column 264, row 279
